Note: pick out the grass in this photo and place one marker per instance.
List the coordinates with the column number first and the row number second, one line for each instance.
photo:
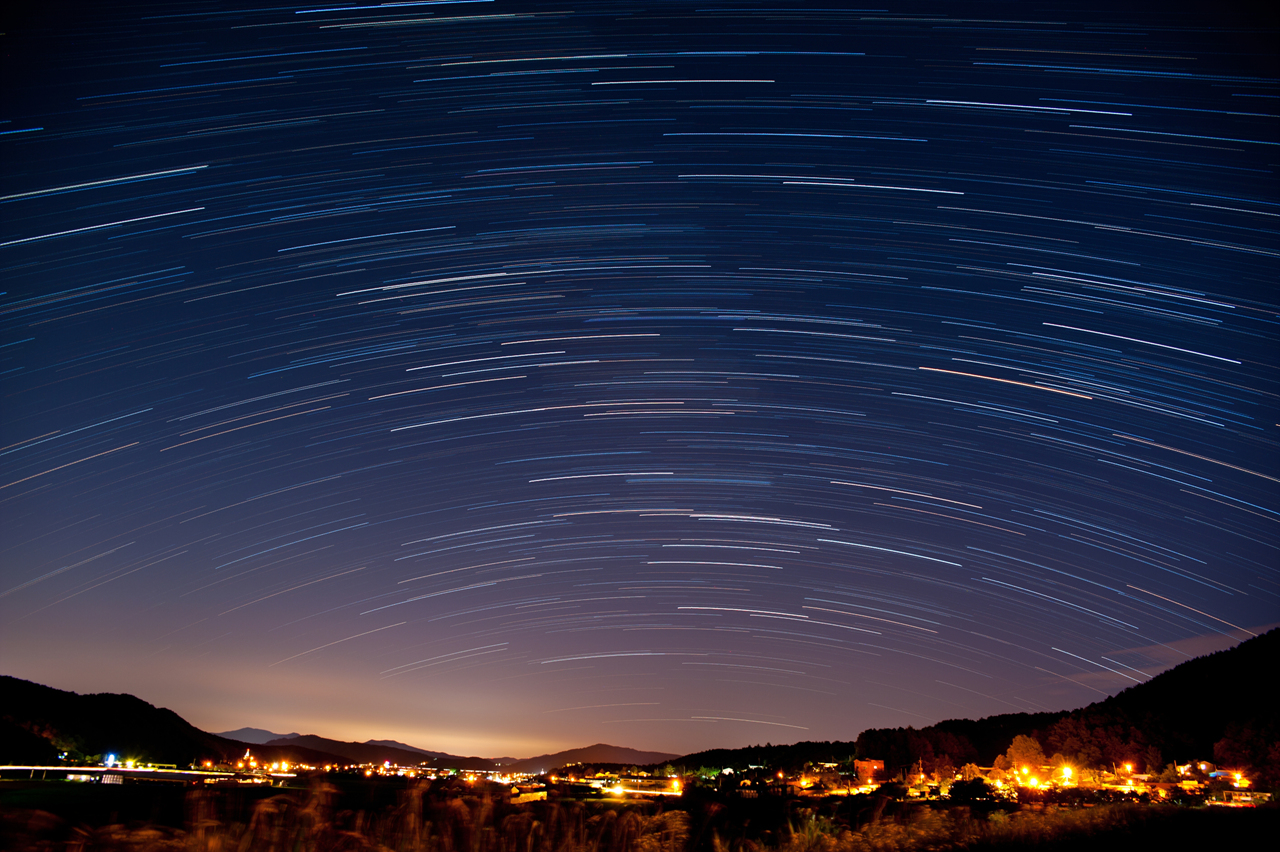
column 411, row 819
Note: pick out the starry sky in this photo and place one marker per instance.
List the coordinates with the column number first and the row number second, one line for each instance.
column 503, row 377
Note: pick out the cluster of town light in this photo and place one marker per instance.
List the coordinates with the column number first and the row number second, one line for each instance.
column 1024, row 776
column 1034, row 782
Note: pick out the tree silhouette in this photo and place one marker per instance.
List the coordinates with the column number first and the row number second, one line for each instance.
column 1025, row 751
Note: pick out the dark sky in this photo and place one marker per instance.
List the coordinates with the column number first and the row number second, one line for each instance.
column 508, row 376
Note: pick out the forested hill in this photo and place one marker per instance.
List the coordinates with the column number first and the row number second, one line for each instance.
column 1218, row 707
column 1191, row 707
column 961, row 740
column 38, row 723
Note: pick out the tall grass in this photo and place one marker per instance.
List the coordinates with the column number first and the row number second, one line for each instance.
column 314, row 821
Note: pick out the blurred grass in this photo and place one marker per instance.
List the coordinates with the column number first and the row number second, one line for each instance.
column 80, row 818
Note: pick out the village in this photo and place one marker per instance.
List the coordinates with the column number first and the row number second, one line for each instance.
column 1053, row 781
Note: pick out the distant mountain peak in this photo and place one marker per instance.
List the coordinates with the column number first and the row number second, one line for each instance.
column 598, row 753
column 405, row 746
column 256, row 736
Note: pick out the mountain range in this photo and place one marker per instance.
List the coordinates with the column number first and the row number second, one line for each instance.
column 1220, row 705
column 39, row 723
column 370, row 751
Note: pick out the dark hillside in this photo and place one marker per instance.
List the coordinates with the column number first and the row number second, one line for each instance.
column 991, row 736
column 1218, row 707
column 1190, row 707
column 86, row 726
column 359, row 752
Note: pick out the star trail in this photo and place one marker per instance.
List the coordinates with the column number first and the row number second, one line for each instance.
column 502, row 376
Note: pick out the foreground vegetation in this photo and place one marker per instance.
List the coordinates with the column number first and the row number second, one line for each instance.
column 413, row 819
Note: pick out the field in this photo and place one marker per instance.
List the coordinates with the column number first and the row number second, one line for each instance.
column 380, row 816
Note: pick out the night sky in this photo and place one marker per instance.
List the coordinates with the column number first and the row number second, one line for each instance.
column 502, row 377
